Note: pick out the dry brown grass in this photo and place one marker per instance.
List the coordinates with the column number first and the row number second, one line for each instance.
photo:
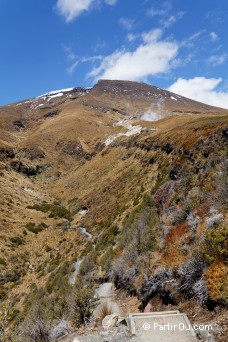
column 104, row 309
column 105, row 184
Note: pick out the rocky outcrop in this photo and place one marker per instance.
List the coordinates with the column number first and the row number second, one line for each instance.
column 6, row 153
column 163, row 194
column 19, row 123
column 18, row 166
column 51, row 114
column 110, row 321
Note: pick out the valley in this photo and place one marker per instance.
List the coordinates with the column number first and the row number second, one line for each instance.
column 123, row 183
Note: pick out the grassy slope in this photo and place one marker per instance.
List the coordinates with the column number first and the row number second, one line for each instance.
column 116, row 183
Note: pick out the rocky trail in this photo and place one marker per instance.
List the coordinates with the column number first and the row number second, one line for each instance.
column 105, row 290
column 133, row 327
column 74, row 274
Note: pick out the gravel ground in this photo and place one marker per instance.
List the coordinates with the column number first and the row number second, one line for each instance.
column 119, row 334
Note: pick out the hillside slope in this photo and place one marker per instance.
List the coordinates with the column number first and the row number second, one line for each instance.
column 85, row 178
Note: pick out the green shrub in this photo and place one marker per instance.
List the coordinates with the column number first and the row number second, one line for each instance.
column 60, row 212
column 43, row 225
column 108, row 236
column 2, row 262
column 40, row 207
column 32, row 227
column 141, row 233
column 215, row 246
column 41, row 274
column 82, row 304
column 107, row 259
column 2, row 293
column 13, row 315
column 48, row 248
column 88, row 263
column 58, row 278
column 55, row 209
column 17, row 240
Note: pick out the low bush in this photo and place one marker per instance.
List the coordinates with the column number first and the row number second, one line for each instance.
column 215, row 245
column 216, row 276
column 189, row 273
column 34, row 328
column 55, row 209
column 107, row 259
column 2, row 262
column 82, row 304
column 17, row 241
column 61, row 329
column 48, row 248
column 104, row 309
column 141, row 233
column 89, row 263
column 36, row 229
column 13, row 315
column 58, row 278
column 3, row 293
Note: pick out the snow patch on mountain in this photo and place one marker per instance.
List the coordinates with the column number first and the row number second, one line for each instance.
column 56, row 92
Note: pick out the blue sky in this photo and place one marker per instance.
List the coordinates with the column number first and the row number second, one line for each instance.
column 54, row 44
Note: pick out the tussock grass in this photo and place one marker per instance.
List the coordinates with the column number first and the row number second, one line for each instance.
column 104, row 309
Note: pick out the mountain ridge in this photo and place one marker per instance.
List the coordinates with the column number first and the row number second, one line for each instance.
column 104, row 85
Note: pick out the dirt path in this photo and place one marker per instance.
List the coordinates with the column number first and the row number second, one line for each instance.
column 105, row 290
column 74, row 274
column 160, row 325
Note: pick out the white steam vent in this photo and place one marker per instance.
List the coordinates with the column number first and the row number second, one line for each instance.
column 155, row 112
column 150, row 115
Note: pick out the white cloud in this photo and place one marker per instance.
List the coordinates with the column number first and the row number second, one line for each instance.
column 184, row 60
column 214, row 37
column 151, row 57
column 111, row 2
column 151, row 36
column 166, row 19
column 72, row 67
column 71, row 9
column 126, row 23
column 131, row 37
column 162, row 11
column 201, row 89
column 172, row 19
column 217, row 60
column 99, row 45
column 70, row 54
column 190, row 42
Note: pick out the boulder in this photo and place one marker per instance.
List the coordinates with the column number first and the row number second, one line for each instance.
column 110, row 321
column 61, row 329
